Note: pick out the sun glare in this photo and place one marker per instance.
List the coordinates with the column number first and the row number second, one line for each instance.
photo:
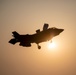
column 51, row 45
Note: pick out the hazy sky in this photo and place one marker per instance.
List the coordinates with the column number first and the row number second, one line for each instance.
column 25, row 16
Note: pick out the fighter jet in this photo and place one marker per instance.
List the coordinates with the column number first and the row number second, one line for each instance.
column 40, row 36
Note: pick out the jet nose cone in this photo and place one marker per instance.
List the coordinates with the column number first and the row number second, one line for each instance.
column 61, row 30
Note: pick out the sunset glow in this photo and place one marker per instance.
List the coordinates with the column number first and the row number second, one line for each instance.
column 51, row 45
column 25, row 17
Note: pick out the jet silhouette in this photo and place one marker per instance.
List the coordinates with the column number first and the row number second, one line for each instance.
column 40, row 36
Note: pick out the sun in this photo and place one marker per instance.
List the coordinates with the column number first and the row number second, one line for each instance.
column 51, row 45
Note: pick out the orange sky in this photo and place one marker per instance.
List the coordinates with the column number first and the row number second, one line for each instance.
column 27, row 16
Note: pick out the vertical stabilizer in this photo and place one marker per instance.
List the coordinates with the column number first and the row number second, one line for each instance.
column 15, row 34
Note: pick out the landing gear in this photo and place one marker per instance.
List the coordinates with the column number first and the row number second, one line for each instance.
column 51, row 41
column 39, row 47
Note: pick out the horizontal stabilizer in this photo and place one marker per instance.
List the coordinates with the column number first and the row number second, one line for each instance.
column 13, row 41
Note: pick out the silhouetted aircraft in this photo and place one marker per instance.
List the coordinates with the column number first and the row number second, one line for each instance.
column 40, row 36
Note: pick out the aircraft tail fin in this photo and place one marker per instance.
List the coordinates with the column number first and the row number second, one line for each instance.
column 15, row 34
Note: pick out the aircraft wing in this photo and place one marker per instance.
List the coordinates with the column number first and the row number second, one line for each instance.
column 25, row 44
